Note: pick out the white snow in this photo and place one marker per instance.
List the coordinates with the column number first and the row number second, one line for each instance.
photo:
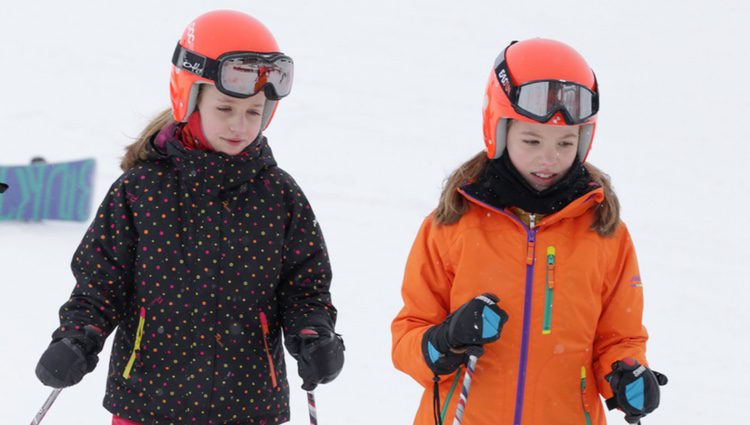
column 386, row 103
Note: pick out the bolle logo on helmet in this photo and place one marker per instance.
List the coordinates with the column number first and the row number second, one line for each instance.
column 503, row 78
column 193, row 63
column 194, row 67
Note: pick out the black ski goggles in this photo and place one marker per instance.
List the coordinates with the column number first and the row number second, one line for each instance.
column 541, row 100
column 241, row 74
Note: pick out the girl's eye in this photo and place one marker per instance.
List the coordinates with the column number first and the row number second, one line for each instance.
column 223, row 108
column 531, row 142
column 253, row 112
column 566, row 143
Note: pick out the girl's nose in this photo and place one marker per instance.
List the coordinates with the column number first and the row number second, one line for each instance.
column 549, row 155
column 238, row 124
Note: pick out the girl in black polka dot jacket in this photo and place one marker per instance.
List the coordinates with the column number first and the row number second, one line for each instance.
column 202, row 252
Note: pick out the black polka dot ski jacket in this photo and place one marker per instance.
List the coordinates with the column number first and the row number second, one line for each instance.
column 200, row 259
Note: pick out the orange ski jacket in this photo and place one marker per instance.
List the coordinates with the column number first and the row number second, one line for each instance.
column 574, row 301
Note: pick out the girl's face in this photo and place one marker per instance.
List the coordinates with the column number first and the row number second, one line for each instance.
column 543, row 154
column 229, row 124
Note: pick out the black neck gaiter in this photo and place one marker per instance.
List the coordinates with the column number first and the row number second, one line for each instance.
column 502, row 186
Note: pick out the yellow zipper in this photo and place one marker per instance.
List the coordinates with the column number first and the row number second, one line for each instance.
column 137, row 346
column 586, row 414
column 549, row 291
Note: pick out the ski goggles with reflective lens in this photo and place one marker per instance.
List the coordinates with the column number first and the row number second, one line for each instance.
column 241, row 74
column 540, row 100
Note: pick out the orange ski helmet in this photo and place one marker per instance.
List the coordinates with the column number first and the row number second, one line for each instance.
column 540, row 81
column 218, row 42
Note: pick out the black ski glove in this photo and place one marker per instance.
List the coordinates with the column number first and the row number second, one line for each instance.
column 636, row 389
column 66, row 360
column 319, row 353
column 3, row 187
column 474, row 324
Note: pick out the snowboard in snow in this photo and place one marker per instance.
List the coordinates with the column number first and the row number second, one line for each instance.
column 47, row 191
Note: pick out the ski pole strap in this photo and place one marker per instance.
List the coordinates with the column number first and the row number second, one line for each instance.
column 461, row 407
column 436, row 400
column 311, row 408
column 45, row 407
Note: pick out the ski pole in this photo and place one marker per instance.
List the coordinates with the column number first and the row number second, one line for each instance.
column 474, row 352
column 45, row 407
column 311, row 408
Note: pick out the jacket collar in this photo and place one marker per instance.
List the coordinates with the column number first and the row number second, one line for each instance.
column 208, row 173
column 576, row 208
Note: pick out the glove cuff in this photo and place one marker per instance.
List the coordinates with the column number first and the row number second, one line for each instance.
column 89, row 339
column 438, row 356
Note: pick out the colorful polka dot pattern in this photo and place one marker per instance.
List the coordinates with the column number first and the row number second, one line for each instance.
column 193, row 246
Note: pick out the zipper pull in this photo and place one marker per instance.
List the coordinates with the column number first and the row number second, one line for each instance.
column 532, row 220
column 263, row 323
column 551, row 266
column 583, row 378
column 530, row 248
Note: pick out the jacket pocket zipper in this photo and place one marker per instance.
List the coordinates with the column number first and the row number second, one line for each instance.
column 586, row 414
column 264, row 327
column 137, row 345
column 550, row 291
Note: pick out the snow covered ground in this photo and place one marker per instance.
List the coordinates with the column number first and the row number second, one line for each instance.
column 386, row 102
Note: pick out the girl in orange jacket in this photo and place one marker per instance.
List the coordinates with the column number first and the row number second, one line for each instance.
column 526, row 261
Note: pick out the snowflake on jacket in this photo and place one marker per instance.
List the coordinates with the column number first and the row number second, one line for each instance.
column 188, row 253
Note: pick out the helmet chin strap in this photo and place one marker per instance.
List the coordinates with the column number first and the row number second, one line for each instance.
column 584, row 139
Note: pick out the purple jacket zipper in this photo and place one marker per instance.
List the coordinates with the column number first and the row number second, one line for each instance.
column 525, row 335
column 530, row 238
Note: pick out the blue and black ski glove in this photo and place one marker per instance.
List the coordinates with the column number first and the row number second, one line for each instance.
column 474, row 324
column 68, row 359
column 636, row 389
column 319, row 352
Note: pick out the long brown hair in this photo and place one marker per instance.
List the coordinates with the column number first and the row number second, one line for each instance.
column 136, row 152
column 453, row 205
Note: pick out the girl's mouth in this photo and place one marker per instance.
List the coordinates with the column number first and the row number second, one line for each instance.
column 545, row 177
